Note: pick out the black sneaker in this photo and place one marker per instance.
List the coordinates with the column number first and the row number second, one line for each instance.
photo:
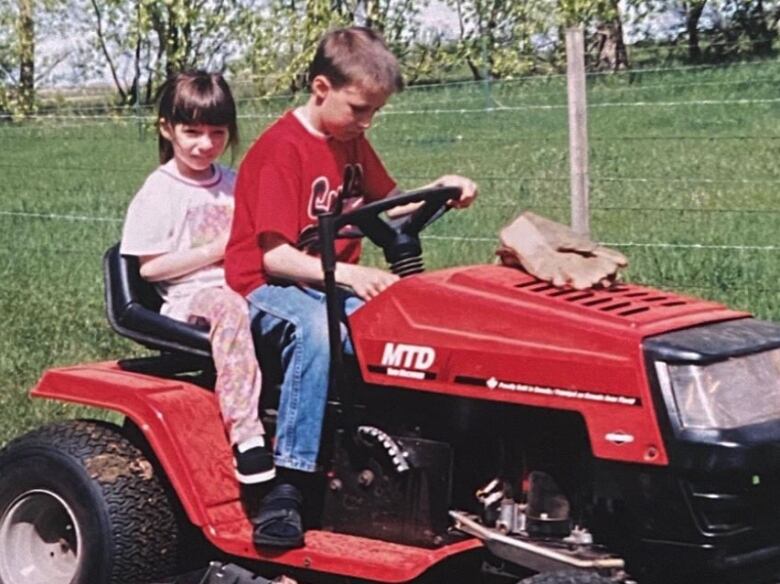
column 253, row 462
column 279, row 523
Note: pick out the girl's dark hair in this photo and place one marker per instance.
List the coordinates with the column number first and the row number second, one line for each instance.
column 196, row 97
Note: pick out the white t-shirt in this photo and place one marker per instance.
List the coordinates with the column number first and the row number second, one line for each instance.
column 172, row 213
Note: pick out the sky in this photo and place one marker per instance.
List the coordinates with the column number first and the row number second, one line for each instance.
column 439, row 17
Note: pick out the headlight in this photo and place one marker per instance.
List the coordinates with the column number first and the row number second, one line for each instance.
column 727, row 394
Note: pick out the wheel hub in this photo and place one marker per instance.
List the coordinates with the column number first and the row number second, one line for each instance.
column 39, row 540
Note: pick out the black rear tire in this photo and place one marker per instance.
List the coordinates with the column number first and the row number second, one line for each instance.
column 567, row 577
column 79, row 504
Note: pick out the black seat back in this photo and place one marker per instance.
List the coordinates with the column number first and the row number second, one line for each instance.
column 132, row 307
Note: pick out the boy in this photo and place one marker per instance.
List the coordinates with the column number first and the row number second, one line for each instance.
column 291, row 174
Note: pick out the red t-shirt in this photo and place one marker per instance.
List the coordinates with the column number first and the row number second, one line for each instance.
column 291, row 173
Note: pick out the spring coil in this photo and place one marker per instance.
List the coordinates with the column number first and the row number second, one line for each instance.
column 408, row 266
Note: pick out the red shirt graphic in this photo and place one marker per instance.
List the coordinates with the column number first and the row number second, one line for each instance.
column 288, row 176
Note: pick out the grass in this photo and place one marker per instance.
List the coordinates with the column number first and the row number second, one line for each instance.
column 665, row 175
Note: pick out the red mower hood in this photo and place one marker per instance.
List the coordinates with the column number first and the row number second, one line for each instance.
column 497, row 333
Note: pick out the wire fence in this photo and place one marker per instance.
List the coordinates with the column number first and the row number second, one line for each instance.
column 100, row 103
column 683, row 167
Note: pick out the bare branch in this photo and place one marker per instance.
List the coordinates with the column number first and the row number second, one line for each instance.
column 104, row 48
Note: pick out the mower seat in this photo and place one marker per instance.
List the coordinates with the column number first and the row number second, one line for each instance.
column 133, row 310
column 133, row 305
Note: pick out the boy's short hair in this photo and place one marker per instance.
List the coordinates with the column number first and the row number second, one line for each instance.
column 356, row 55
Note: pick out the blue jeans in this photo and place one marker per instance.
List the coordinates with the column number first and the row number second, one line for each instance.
column 295, row 319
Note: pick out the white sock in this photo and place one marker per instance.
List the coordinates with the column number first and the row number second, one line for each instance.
column 257, row 441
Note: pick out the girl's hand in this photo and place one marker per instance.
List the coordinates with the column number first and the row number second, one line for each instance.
column 215, row 249
column 166, row 266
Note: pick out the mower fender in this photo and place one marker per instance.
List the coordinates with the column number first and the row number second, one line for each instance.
column 180, row 421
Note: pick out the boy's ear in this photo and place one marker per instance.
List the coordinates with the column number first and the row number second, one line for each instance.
column 320, row 86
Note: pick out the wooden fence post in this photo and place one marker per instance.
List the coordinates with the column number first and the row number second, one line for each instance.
column 578, row 130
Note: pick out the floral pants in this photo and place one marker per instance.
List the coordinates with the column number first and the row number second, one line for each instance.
column 239, row 380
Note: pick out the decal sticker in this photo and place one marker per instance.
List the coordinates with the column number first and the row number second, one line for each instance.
column 409, row 361
column 494, row 383
column 346, row 197
column 409, row 356
column 397, row 372
column 322, row 198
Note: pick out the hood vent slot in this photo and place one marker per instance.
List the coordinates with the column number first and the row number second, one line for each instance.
column 621, row 300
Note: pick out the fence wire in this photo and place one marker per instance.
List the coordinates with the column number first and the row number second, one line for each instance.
column 683, row 175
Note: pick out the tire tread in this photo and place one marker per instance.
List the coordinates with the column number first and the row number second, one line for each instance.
column 144, row 530
column 567, row 577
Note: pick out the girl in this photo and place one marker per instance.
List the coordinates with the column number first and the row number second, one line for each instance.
column 178, row 225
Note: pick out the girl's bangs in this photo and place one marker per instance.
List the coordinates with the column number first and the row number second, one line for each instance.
column 213, row 108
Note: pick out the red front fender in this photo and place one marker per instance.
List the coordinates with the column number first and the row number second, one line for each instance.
column 182, row 424
column 180, row 421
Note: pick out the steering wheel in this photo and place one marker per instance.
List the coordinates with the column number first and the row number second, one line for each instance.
column 398, row 238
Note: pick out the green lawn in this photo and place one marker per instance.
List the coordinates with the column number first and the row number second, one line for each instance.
column 687, row 190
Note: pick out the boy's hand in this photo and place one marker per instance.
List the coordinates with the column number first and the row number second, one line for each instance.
column 367, row 282
column 467, row 187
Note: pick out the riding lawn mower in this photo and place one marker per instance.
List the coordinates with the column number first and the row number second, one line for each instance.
column 491, row 427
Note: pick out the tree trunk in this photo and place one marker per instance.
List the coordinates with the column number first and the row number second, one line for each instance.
column 753, row 21
column 102, row 42
column 610, row 45
column 368, row 6
column 161, row 30
column 693, row 15
column 135, row 91
column 26, row 30
column 475, row 70
column 171, row 43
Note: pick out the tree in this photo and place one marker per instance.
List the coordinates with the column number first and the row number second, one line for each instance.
column 26, row 38
column 688, row 12
column 754, row 19
column 7, row 45
column 144, row 42
column 285, row 35
column 504, row 37
column 608, row 44
column 725, row 23
column 17, row 56
column 498, row 38
column 21, row 68
column 106, row 38
column 693, row 11
column 398, row 22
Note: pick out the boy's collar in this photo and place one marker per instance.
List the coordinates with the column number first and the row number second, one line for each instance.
column 301, row 115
